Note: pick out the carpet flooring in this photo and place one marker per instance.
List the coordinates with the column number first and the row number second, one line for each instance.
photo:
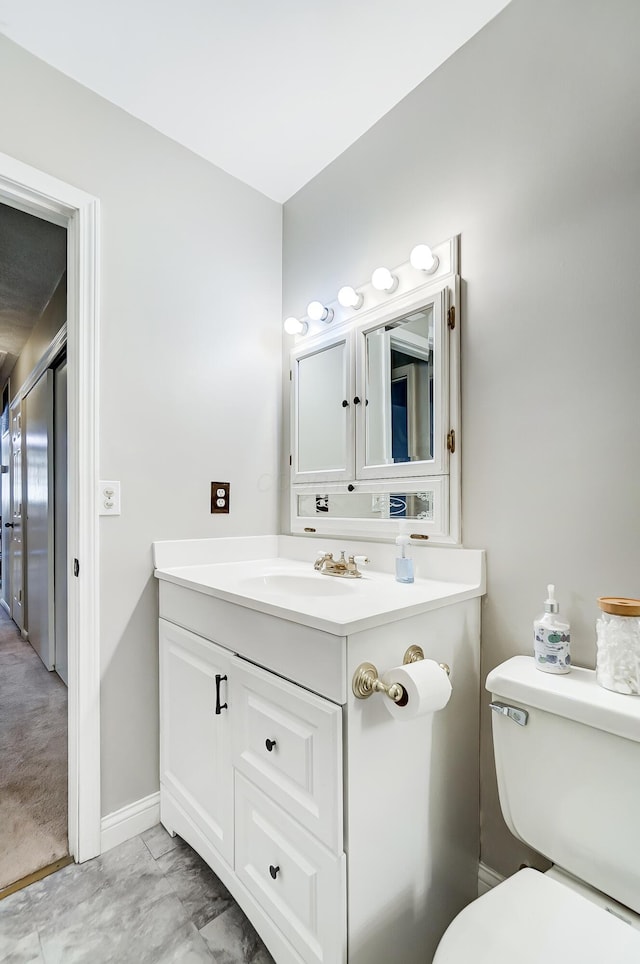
column 33, row 759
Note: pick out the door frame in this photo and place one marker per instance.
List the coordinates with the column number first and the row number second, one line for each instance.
column 31, row 190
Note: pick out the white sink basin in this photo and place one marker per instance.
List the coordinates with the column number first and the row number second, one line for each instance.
column 290, row 584
column 268, row 575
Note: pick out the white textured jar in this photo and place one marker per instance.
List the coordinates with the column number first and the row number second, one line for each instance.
column 618, row 645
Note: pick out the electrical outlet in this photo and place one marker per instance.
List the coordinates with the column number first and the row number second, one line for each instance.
column 220, row 496
column 109, row 498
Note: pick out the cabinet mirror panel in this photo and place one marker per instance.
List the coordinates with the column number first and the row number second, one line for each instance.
column 399, row 409
column 389, row 504
column 321, row 414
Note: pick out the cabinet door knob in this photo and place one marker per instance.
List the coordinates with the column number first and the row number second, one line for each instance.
column 269, row 744
column 345, row 403
column 8, row 525
column 274, row 871
column 350, row 487
column 356, row 400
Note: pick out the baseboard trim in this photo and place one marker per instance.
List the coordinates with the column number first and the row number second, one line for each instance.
column 129, row 821
column 487, row 878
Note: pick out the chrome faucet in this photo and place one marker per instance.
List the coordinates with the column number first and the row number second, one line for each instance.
column 347, row 568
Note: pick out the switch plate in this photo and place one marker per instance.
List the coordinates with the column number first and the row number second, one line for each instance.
column 109, row 498
column 220, row 497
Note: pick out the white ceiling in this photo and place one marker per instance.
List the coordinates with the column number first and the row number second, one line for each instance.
column 269, row 90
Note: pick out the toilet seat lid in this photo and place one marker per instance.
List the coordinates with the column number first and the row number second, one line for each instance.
column 531, row 919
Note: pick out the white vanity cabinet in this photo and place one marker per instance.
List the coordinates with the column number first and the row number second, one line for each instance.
column 346, row 835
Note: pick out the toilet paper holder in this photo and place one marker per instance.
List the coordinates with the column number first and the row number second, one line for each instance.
column 366, row 680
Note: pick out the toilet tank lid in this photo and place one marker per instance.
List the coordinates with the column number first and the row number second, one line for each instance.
column 575, row 696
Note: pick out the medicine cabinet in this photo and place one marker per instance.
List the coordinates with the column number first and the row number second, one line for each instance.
column 374, row 417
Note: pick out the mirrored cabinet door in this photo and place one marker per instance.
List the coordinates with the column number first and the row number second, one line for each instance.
column 322, row 443
column 402, row 366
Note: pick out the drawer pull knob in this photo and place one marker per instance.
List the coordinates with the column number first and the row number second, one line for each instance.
column 269, row 744
column 274, row 871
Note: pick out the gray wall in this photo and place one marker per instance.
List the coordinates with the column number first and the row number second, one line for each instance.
column 527, row 143
column 191, row 319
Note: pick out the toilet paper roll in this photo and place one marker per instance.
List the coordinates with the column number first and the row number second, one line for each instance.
column 426, row 689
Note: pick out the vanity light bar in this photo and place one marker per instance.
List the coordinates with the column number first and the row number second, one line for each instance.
column 383, row 280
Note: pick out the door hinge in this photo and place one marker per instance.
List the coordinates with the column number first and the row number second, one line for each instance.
column 451, row 317
column 290, row 461
column 451, row 441
column 76, row 567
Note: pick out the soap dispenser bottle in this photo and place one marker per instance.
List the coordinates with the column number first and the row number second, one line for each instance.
column 404, row 563
column 552, row 638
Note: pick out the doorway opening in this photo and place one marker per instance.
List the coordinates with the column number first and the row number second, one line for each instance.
column 50, row 199
column 33, row 620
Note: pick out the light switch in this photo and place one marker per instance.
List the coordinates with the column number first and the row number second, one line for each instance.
column 109, row 498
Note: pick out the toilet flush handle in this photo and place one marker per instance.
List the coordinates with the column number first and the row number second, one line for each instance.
column 513, row 712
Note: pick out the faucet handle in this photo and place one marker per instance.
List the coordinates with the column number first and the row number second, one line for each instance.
column 322, row 561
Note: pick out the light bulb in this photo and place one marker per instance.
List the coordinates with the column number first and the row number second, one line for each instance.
column 349, row 297
column 319, row 312
column 293, row 326
column 423, row 259
column 383, row 280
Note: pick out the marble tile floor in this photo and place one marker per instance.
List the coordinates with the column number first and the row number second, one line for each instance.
column 152, row 900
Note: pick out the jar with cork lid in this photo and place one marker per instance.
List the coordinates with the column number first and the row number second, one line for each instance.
column 618, row 645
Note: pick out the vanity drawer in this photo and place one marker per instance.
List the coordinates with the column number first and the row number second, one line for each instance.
column 288, row 741
column 298, row 882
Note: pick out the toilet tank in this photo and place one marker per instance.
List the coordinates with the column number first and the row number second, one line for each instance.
column 569, row 779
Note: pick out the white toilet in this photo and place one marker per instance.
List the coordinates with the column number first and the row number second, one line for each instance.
column 568, row 763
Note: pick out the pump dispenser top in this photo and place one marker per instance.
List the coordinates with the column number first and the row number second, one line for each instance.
column 552, row 637
column 550, row 603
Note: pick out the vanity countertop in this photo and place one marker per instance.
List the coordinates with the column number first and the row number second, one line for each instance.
column 289, row 588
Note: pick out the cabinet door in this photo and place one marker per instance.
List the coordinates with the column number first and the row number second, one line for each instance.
column 322, row 445
column 403, row 375
column 195, row 755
